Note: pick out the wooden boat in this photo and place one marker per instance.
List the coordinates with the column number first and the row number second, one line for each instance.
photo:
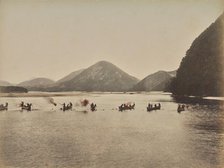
column 4, row 107
column 66, row 107
column 26, row 107
column 153, row 108
column 180, row 108
column 126, row 107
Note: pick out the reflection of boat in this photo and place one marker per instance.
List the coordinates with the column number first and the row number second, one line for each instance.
column 4, row 107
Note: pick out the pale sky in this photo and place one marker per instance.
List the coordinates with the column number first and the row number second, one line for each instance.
column 51, row 38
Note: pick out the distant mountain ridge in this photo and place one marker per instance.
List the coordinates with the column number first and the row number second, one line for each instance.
column 4, row 83
column 158, row 81
column 37, row 84
column 102, row 76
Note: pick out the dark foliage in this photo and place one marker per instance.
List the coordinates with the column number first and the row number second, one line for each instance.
column 12, row 89
column 201, row 70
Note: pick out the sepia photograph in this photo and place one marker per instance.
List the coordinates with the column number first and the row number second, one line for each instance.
column 111, row 84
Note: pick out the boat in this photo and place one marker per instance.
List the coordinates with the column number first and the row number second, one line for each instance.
column 4, row 107
column 155, row 107
column 180, row 108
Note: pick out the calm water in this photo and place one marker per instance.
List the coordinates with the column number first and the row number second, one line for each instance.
column 48, row 137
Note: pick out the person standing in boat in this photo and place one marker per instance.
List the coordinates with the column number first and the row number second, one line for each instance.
column 159, row 106
column 71, row 105
column 63, row 108
column 29, row 106
column 22, row 104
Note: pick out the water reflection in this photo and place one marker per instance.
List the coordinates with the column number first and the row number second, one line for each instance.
column 206, row 122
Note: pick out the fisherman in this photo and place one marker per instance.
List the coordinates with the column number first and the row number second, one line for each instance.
column 155, row 106
column 29, row 106
column 68, row 106
column 64, row 107
column 71, row 105
column 159, row 106
column 93, row 107
column 22, row 104
column 179, row 109
column 6, row 106
column 183, row 106
column 121, row 107
column 133, row 106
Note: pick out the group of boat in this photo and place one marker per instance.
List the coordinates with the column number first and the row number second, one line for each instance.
column 122, row 107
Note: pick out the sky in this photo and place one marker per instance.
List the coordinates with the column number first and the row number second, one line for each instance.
column 52, row 38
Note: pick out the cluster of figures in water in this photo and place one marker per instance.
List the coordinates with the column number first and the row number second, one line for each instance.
column 122, row 107
column 126, row 106
column 152, row 107
column 25, row 106
column 4, row 107
column 131, row 106
column 70, row 105
column 181, row 107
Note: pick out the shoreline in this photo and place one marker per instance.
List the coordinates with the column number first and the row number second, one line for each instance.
column 82, row 93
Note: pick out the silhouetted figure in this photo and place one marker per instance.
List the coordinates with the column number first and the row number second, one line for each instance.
column 70, row 105
column 22, row 104
column 4, row 107
column 155, row 106
column 93, row 107
column 63, row 108
column 29, row 106
column 159, row 106
column 180, row 108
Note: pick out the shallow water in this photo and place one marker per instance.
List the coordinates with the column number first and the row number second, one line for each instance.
column 48, row 137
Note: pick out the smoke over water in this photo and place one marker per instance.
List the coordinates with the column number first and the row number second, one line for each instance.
column 50, row 100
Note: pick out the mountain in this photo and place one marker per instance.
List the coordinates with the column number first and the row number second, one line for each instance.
column 201, row 70
column 102, row 76
column 70, row 76
column 37, row 84
column 158, row 81
column 4, row 83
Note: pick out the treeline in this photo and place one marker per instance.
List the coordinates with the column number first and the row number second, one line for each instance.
column 12, row 89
